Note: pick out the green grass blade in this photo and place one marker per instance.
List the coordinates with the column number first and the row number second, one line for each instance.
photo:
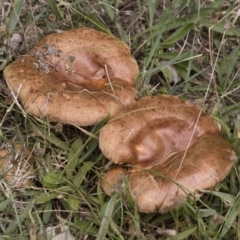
column 165, row 64
column 179, row 34
column 230, row 218
column 90, row 17
column 4, row 204
column 14, row 15
column 82, row 172
column 86, row 228
column 73, row 156
column 155, row 46
column 107, row 218
column 185, row 234
column 47, row 212
column 109, row 9
column 151, row 9
column 20, row 218
column 55, row 8
column 220, row 28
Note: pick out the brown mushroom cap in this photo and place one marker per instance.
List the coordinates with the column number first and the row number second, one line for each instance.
column 16, row 167
column 113, row 180
column 77, row 77
column 174, row 148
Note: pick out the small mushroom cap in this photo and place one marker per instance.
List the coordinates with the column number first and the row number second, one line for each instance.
column 113, row 180
column 77, row 77
column 174, row 148
column 16, row 167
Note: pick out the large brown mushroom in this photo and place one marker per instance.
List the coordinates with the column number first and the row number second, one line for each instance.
column 174, row 150
column 76, row 77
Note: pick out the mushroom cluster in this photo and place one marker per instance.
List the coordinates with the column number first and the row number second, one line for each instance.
column 173, row 149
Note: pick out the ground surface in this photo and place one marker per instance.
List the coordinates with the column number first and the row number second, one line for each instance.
column 185, row 48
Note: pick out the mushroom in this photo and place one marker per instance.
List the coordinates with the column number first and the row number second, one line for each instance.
column 174, row 150
column 76, row 77
column 16, row 166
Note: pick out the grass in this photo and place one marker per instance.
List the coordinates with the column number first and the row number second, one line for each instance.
column 184, row 48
